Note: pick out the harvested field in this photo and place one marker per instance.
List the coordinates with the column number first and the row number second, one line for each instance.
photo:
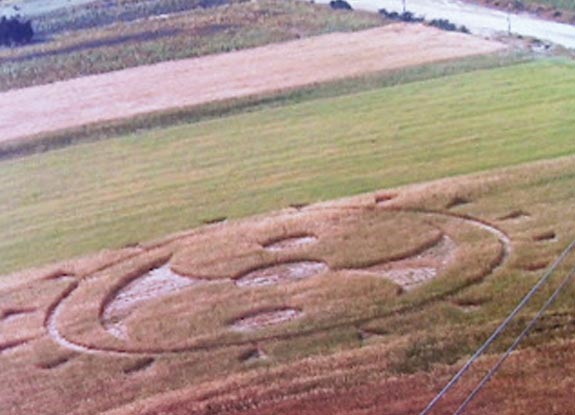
column 132, row 92
column 290, row 347
column 517, row 391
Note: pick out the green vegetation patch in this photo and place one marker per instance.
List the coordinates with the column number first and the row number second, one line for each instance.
column 106, row 194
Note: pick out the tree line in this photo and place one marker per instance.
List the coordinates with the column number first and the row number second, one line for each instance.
column 14, row 32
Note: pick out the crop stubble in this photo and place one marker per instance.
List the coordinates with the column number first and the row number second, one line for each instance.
column 123, row 94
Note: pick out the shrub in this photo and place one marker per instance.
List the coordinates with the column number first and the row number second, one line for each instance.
column 408, row 17
column 447, row 25
column 14, row 32
column 340, row 5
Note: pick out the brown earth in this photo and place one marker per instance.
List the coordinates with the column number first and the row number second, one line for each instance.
column 102, row 98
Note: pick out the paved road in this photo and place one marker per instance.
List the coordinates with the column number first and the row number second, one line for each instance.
column 32, row 8
column 478, row 19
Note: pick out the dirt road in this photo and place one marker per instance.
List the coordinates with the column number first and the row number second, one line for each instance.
column 185, row 83
column 479, row 19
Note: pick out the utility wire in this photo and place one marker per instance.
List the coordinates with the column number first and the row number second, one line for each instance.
column 516, row 343
column 499, row 330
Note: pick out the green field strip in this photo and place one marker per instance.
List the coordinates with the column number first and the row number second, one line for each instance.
column 105, row 194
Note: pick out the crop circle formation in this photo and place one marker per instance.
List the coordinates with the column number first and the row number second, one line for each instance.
column 268, row 278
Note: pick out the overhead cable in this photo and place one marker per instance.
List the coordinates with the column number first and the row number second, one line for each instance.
column 499, row 330
column 516, row 343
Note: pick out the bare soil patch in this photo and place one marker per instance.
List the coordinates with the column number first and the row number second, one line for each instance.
column 186, row 83
column 290, row 242
column 409, row 277
column 419, row 269
column 157, row 283
column 292, row 271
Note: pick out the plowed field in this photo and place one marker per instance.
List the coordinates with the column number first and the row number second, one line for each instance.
column 191, row 82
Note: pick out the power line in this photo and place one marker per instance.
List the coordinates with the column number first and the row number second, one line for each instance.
column 516, row 343
column 499, row 330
